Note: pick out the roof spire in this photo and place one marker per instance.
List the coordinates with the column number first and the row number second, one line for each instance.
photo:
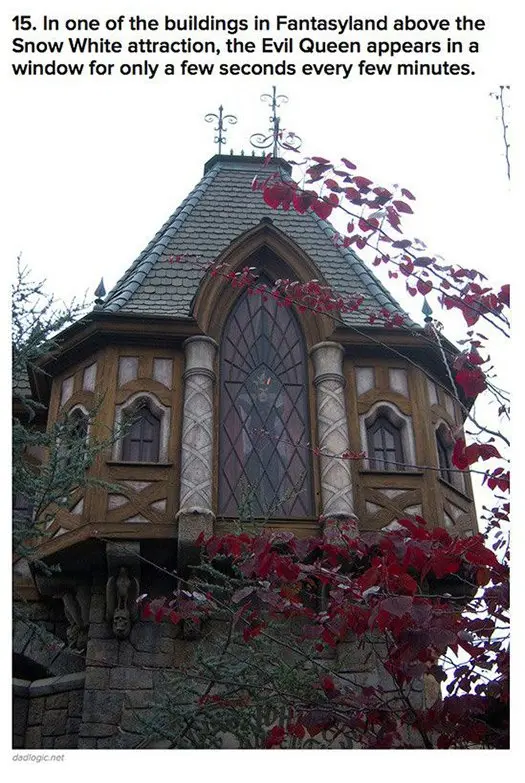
column 221, row 118
column 277, row 138
column 100, row 293
column 427, row 311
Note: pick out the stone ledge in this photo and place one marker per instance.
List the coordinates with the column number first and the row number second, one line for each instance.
column 21, row 687
column 64, row 682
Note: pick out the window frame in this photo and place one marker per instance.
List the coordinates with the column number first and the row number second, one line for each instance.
column 224, row 496
column 129, row 409
column 139, row 418
column 379, row 426
column 403, row 424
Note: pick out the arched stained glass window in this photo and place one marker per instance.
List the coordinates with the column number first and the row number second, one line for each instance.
column 265, row 469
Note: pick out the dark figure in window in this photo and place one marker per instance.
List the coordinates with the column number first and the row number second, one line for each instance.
column 141, row 442
column 264, row 468
column 75, row 440
column 385, row 448
column 444, row 456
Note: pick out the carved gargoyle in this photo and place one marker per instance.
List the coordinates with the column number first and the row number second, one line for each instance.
column 122, row 592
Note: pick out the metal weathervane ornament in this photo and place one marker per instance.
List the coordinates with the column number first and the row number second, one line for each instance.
column 277, row 138
column 221, row 118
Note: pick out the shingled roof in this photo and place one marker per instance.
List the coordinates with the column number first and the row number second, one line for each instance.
column 219, row 209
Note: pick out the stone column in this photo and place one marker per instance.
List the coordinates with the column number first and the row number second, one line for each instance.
column 195, row 514
column 332, row 425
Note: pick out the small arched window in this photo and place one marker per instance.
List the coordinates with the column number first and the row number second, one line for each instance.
column 141, row 442
column 73, row 439
column 444, row 456
column 385, row 445
column 78, row 422
column 445, row 447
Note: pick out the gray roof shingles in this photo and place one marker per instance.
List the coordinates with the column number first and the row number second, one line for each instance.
column 217, row 211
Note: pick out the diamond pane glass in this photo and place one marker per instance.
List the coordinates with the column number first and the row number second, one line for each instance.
column 265, row 469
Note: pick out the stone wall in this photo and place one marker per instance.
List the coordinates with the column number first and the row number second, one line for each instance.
column 126, row 678
column 47, row 712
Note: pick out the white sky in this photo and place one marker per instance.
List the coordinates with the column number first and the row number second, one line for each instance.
column 94, row 166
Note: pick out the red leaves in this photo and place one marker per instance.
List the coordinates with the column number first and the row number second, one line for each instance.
column 275, row 737
column 424, row 286
column 504, row 295
column 498, row 479
column 278, row 194
column 463, row 455
column 401, row 206
column 348, row 164
column 322, row 209
column 472, row 380
column 328, row 686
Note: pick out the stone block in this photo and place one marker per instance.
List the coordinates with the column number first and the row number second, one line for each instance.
column 140, row 699
column 102, row 651
column 67, row 741
column 97, row 678
column 54, row 723
column 20, row 711
column 96, row 730
column 36, row 711
column 86, row 743
column 145, row 636
column 126, row 652
column 97, row 610
column 43, row 648
column 57, row 701
column 73, row 725
column 128, row 678
column 167, row 646
column 135, row 721
column 102, row 707
column 120, row 741
column 153, row 659
column 76, row 702
column 33, row 737
column 100, row 631
column 68, row 662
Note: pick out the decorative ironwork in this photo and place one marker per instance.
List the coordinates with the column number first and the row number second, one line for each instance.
column 100, row 292
column 265, row 469
column 427, row 311
column 277, row 138
column 221, row 118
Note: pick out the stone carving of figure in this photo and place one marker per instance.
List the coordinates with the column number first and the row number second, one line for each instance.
column 122, row 592
column 76, row 610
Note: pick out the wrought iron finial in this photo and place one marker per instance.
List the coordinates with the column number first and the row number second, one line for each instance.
column 427, row 311
column 276, row 139
column 100, row 292
column 221, row 118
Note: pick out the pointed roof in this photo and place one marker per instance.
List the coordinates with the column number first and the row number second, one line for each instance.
column 219, row 209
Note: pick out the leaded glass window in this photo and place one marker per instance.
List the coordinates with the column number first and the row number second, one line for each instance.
column 264, row 461
column 141, row 442
column 385, row 447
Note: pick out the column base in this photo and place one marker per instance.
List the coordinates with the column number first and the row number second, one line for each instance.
column 191, row 522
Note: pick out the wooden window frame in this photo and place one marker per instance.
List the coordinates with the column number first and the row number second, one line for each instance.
column 380, row 425
column 141, row 413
